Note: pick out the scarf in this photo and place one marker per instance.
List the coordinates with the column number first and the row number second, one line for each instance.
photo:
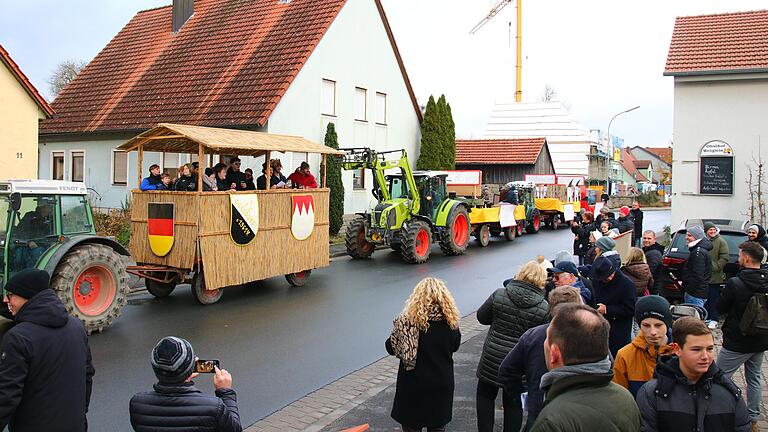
column 597, row 368
column 405, row 336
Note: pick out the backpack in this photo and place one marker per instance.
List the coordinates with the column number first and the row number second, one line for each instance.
column 754, row 321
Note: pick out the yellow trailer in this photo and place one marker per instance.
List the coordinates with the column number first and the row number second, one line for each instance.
column 498, row 220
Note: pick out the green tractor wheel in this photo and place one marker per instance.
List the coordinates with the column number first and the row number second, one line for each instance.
column 416, row 243
column 455, row 238
column 357, row 245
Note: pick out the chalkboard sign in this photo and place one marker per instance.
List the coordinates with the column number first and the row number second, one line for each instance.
column 716, row 175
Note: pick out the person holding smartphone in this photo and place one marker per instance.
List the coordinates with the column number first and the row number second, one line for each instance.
column 175, row 402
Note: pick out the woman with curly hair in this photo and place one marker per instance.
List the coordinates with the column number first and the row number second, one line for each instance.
column 510, row 311
column 424, row 337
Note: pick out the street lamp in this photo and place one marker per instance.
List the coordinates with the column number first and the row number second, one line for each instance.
column 608, row 161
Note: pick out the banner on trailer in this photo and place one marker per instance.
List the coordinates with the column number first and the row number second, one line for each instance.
column 160, row 228
column 568, row 212
column 244, row 218
column 507, row 215
column 303, row 219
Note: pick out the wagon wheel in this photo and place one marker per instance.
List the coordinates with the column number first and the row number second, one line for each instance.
column 510, row 233
column 520, row 228
column 298, row 279
column 483, row 235
column 161, row 289
column 202, row 295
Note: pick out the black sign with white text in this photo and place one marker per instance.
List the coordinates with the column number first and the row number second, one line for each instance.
column 716, row 175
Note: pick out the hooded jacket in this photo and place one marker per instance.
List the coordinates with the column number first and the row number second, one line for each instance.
column 654, row 254
column 626, row 224
column 151, row 183
column 670, row 402
column 184, row 407
column 637, row 216
column 697, row 271
column 640, row 275
column 720, row 257
column 45, row 369
column 738, row 291
column 510, row 311
column 635, row 363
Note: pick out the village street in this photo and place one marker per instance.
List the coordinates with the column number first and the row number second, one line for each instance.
column 281, row 343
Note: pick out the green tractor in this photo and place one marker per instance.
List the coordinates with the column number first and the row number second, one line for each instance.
column 412, row 212
column 524, row 191
column 48, row 225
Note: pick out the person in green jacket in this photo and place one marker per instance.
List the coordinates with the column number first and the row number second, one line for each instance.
column 579, row 387
column 720, row 256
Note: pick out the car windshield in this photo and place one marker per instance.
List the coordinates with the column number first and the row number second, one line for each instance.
column 733, row 239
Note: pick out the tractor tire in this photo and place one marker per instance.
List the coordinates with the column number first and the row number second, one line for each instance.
column 455, row 238
column 160, row 289
column 92, row 283
column 510, row 233
column 202, row 295
column 483, row 235
column 417, row 242
column 395, row 246
column 534, row 225
column 298, row 279
column 357, row 246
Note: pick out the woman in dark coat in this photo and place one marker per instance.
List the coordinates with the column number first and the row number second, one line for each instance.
column 637, row 270
column 581, row 232
column 222, row 184
column 510, row 311
column 185, row 182
column 424, row 337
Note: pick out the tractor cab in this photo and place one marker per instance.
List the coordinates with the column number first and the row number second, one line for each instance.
column 432, row 191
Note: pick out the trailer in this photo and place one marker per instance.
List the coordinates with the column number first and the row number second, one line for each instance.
column 214, row 240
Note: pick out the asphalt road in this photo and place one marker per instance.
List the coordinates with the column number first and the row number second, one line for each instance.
column 281, row 343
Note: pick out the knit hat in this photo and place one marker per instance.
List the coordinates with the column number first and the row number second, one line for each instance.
column 604, row 210
column 653, row 306
column 759, row 228
column 603, row 267
column 697, row 232
column 605, row 243
column 173, row 360
column 596, row 235
column 29, row 282
column 624, row 211
column 708, row 226
column 562, row 256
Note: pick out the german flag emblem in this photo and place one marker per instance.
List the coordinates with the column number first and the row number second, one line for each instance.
column 160, row 227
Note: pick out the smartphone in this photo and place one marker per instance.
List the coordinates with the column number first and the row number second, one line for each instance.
column 206, row 366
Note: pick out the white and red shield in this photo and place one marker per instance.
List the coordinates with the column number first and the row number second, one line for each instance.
column 303, row 220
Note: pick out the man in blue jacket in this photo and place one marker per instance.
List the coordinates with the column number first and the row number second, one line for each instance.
column 154, row 180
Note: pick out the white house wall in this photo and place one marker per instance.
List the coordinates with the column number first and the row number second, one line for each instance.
column 730, row 111
column 355, row 52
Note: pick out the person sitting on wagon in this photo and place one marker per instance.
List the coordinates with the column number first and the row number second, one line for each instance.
column 186, row 183
column 165, row 182
column 222, row 183
column 151, row 182
column 509, row 194
column 249, row 184
column 276, row 181
column 302, row 178
column 234, row 175
column 209, row 180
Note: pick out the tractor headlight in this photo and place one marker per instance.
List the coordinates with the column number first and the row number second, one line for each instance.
column 391, row 218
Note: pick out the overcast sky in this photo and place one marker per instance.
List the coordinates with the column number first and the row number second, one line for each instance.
column 601, row 56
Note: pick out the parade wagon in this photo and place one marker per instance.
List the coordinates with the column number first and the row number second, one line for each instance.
column 213, row 240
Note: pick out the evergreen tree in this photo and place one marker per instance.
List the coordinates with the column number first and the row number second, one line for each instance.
column 430, row 156
column 333, row 180
column 450, row 140
column 442, row 132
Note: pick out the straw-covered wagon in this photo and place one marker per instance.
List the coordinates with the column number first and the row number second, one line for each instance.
column 218, row 239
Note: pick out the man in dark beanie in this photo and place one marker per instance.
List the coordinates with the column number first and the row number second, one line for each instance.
column 697, row 270
column 175, row 403
column 45, row 361
column 635, row 362
column 615, row 296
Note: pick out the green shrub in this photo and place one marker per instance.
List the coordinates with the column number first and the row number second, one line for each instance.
column 333, row 180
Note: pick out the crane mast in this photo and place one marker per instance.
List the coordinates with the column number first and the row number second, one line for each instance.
column 519, row 58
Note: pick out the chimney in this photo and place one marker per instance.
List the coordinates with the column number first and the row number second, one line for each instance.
column 182, row 10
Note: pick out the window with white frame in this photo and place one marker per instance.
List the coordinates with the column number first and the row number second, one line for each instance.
column 358, row 179
column 57, row 166
column 78, row 166
column 328, row 97
column 361, row 102
column 171, row 164
column 381, row 108
column 119, row 168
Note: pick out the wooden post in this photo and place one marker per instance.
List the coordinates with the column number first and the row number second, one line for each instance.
column 200, row 167
column 141, row 161
column 268, row 172
column 324, row 165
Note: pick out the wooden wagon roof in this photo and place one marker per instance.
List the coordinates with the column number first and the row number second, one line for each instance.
column 175, row 138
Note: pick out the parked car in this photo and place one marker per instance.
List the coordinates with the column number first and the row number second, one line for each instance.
column 734, row 232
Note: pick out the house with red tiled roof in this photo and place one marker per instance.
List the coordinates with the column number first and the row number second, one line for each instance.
column 21, row 109
column 660, row 160
column 720, row 68
column 504, row 160
column 632, row 174
column 285, row 67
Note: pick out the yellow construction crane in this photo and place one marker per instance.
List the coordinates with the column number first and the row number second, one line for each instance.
column 519, row 63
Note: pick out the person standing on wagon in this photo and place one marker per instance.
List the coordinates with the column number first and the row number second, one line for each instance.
column 154, row 179
column 424, row 337
column 303, row 178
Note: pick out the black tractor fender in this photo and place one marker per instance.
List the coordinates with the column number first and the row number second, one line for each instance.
column 71, row 242
column 424, row 219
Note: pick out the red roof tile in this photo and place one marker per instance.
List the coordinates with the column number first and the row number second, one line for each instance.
column 664, row 153
column 722, row 43
column 628, row 161
column 229, row 65
column 518, row 151
column 6, row 59
column 642, row 164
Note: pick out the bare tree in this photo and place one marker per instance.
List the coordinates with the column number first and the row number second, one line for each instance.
column 756, row 180
column 549, row 94
column 65, row 72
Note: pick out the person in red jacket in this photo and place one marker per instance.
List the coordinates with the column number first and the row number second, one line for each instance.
column 302, row 178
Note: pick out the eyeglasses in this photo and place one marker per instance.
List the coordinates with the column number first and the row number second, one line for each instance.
column 7, row 295
column 235, row 163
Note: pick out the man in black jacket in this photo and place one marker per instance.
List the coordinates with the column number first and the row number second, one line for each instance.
column 234, row 175
column 175, row 403
column 739, row 349
column 689, row 392
column 637, row 215
column 45, row 361
column 697, row 270
column 654, row 255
